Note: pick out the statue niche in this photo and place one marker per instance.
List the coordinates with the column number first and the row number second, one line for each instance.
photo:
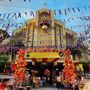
column 44, row 21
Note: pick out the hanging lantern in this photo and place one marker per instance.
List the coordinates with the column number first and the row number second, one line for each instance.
column 44, row 27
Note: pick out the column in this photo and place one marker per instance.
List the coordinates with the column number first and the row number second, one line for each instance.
column 53, row 28
column 36, row 31
column 58, row 37
column 35, row 37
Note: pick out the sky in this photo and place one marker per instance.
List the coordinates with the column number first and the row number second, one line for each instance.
column 75, row 14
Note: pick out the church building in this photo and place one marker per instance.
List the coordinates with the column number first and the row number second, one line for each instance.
column 45, row 31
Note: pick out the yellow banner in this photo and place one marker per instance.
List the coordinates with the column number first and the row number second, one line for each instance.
column 43, row 55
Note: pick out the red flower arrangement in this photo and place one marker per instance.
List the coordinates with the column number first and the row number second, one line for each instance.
column 19, row 67
column 69, row 68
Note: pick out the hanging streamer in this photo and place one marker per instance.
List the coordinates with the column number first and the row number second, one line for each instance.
column 27, row 0
column 65, row 11
column 54, row 12
column 78, row 9
column 32, row 14
column 0, row 15
column 83, row 18
column 8, row 15
column 19, row 15
column 85, row 7
column 73, row 9
column 81, row 26
column 23, row 0
column 60, row 12
column 26, row 14
column 4, row 15
column 15, row 15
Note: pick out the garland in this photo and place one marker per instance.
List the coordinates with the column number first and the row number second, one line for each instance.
column 19, row 67
column 69, row 68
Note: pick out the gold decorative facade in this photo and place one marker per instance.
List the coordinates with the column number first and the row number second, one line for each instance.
column 45, row 31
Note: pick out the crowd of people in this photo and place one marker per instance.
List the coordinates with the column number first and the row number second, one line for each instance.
column 35, row 80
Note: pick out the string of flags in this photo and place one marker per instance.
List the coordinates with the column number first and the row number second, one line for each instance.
column 66, row 11
column 19, row 15
column 19, row 25
column 16, row 15
column 85, row 26
column 23, row 0
column 81, row 18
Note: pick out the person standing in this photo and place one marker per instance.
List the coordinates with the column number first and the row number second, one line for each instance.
column 58, row 82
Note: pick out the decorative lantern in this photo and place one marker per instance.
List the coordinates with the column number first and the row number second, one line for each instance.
column 44, row 27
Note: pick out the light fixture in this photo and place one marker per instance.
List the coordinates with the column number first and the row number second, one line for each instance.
column 44, row 27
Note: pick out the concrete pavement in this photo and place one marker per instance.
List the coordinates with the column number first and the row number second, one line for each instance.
column 46, row 89
column 49, row 88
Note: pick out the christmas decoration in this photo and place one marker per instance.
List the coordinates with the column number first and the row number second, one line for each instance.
column 13, row 67
column 19, row 67
column 69, row 68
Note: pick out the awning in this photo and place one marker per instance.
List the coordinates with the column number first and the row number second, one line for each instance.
column 43, row 56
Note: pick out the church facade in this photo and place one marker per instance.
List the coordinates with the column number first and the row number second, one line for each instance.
column 45, row 31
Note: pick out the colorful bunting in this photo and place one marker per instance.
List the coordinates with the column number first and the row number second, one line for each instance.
column 66, row 11
column 23, row 0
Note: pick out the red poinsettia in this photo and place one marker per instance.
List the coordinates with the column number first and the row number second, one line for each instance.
column 69, row 68
column 13, row 67
column 19, row 67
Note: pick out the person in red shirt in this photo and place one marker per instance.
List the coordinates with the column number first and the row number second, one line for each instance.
column 2, row 85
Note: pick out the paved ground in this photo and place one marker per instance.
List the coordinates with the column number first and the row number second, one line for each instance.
column 45, row 89
column 49, row 88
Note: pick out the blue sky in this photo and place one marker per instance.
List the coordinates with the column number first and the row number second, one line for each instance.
column 77, row 21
